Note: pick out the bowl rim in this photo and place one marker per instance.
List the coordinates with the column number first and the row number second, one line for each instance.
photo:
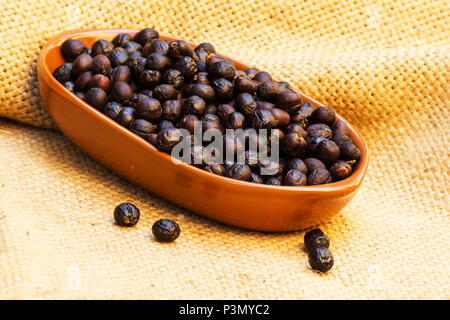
column 352, row 182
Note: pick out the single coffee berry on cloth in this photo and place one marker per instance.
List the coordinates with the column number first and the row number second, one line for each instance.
column 165, row 230
column 126, row 214
column 235, row 123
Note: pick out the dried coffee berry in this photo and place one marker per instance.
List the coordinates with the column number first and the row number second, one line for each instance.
column 262, row 119
column 165, row 230
column 112, row 110
column 270, row 168
column 181, row 48
column 171, row 110
column 81, row 64
column 101, row 47
column 328, row 152
column 313, row 145
column 282, row 117
column 164, row 92
column 268, row 91
column 211, row 109
column 80, row 95
column 236, row 120
column 121, row 73
column 118, row 56
column 174, row 78
column 246, row 104
column 323, row 115
column 131, row 47
column 313, row 164
column 251, row 72
column 293, row 145
column 168, row 139
column 149, row 78
column 69, row 85
column 194, row 105
column 126, row 214
column 187, row 67
column 201, row 77
column 240, row 171
column 262, row 76
column 63, row 72
column 222, row 69
column 340, row 139
column 72, row 48
column 294, row 127
column 156, row 45
column 148, row 108
column 316, row 239
column 120, row 39
column 97, row 98
column 301, row 116
column 256, row 178
column 101, row 64
column 145, row 35
column 297, row 164
column 349, row 151
column 197, row 156
column 340, row 170
column 217, row 169
column 340, row 127
column 223, row 88
column 158, row 61
column 295, row 178
column 321, row 259
column 165, row 124
column 274, row 181
column 211, row 125
column 201, row 66
column 126, row 116
column 284, row 86
column 83, row 80
column 319, row 176
column 205, row 46
column 188, row 122
column 245, row 84
column 224, row 110
column 204, row 91
column 319, row 129
column 100, row 81
column 153, row 139
column 142, row 128
column 122, row 92
column 136, row 65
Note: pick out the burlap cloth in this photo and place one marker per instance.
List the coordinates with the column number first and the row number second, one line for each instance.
column 383, row 65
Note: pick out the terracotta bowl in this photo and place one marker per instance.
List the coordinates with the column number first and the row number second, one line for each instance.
column 243, row 204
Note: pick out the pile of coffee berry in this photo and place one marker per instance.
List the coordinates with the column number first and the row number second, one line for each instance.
column 156, row 87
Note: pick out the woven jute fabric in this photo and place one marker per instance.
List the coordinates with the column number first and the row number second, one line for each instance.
column 384, row 65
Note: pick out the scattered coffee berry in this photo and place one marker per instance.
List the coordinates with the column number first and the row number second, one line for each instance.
column 315, row 238
column 166, row 230
column 321, row 259
column 126, row 214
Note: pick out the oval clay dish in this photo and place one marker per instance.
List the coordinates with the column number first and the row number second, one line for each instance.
column 239, row 203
